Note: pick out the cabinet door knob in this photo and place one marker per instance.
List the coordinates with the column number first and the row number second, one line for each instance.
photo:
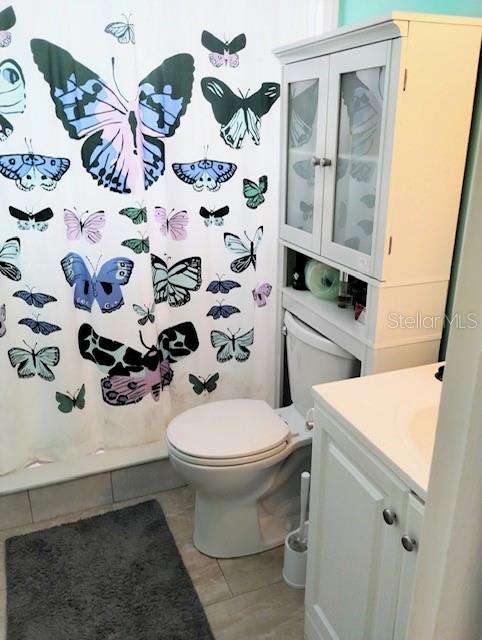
column 320, row 162
column 389, row 516
column 408, row 543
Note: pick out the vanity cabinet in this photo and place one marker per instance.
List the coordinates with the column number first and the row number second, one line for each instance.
column 360, row 575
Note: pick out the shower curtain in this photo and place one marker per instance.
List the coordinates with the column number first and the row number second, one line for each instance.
column 139, row 146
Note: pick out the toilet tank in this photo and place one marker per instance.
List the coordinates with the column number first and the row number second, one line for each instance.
column 312, row 360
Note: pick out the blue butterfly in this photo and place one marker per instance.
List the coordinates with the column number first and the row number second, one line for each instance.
column 205, row 173
column 174, row 283
column 30, row 170
column 232, row 346
column 222, row 286
column 122, row 139
column 37, row 326
column 221, row 310
column 105, row 287
column 36, row 299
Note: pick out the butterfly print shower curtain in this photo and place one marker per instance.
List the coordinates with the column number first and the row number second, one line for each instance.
column 128, row 256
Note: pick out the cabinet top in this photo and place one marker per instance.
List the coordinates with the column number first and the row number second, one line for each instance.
column 389, row 26
column 394, row 414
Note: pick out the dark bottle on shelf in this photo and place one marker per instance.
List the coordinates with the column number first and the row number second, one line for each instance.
column 298, row 276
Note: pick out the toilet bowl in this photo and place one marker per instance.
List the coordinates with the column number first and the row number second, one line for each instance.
column 244, row 458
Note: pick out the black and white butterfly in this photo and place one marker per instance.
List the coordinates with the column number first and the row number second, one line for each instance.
column 122, row 30
column 32, row 362
column 145, row 312
column 232, row 346
column 7, row 21
column 175, row 283
column 30, row 220
column 213, row 217
column 223, row 52
column 245, row 251
column 239, row 115
column 301, row 115
column 9, row 252
column 12, row 95
column 40, row 326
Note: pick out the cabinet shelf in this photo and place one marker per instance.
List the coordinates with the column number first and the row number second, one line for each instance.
column 325, row 316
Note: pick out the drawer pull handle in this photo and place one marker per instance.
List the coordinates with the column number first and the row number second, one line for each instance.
column 389, row 516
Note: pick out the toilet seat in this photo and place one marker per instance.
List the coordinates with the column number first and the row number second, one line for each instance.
column 228, row 432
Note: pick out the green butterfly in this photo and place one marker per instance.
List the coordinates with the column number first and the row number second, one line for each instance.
column 199, row 385
column 138, row 246
column 254, row 192
column 67, row 401
column 145, row 312
column 138, row 215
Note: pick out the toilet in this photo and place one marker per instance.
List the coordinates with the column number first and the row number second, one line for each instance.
column 244, row 459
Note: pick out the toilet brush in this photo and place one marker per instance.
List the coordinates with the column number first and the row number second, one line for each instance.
column 298, row 541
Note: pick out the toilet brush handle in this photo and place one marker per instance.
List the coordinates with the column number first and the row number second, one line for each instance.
column 305, row 488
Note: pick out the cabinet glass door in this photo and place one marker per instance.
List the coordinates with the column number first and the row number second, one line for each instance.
column 304, row 123
column 355, row 125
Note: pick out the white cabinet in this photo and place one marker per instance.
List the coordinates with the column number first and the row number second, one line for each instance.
column 375, row 128
column 359, row 574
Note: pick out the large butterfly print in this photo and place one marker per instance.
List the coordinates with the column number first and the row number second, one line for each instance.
column 232, row 346
column 27, row 220
column 105, row 287
column 12, row 95
column 84, row 225
column 223, row 52
column 132, row 375
column 31, row 362
column 301, row 114
column 30, row 170
column 122, row 138
column 246, row 252
column 239, row 115
column 209, row 174
column 175, row 283
column 8, row 252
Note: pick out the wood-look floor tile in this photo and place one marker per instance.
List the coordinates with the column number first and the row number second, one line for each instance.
column 253, row 572
column 275, row 612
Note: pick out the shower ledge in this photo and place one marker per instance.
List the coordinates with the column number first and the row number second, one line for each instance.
column 56, row 472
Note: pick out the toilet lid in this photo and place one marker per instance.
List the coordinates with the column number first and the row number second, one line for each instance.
column 227, row 429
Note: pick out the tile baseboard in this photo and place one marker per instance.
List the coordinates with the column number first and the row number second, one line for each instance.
column 94, row 490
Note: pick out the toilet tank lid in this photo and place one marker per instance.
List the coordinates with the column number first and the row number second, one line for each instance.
column 227, row 429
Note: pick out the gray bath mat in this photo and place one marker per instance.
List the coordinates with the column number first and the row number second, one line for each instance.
column 117, row 576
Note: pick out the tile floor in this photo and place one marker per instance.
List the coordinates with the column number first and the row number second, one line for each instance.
column 243, row 597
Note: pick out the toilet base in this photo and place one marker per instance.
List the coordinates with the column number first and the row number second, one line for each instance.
column 227, row 529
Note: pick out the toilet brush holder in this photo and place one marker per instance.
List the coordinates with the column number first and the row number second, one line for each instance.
column 294, row 563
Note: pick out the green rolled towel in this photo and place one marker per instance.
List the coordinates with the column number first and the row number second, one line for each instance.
column 322, row 280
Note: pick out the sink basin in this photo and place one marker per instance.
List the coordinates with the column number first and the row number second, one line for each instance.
column 422, row 428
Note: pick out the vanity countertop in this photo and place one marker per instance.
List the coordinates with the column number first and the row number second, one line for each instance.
column 394, row 414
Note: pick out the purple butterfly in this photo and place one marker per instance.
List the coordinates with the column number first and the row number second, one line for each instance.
column 105, row 287
column 174, row 224
column 80, row 226
column 122, row 139
column 221, row 310
column 261, row 293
